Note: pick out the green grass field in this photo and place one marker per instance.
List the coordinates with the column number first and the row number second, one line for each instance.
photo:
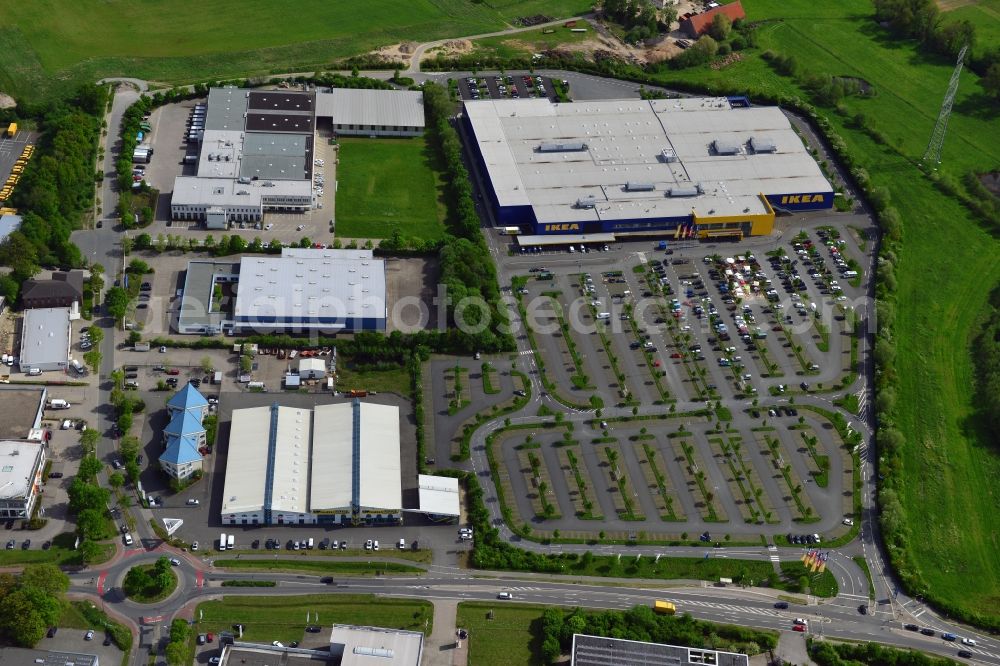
column 531, row 41
column 50, row 46
column 985, row 15
column 388, row 184
column 282, row 618
column 505, row 640
column 945, row 271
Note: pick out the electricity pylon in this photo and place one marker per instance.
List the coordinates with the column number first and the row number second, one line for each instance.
column 933, row 153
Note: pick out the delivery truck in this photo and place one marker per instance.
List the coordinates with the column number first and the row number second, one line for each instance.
column 12, row 129
column 664, row 607
column 58, row 403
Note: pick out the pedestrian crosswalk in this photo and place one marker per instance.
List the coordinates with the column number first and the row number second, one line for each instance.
column 862, row 396
column 767, row 612
column 775, row 558
column 525, row 352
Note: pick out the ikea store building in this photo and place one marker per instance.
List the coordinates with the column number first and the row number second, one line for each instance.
column 681, row 168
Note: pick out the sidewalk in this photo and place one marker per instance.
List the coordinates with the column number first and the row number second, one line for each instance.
column 441, row 647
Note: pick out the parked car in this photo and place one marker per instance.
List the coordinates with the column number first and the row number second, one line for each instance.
column 89, row 636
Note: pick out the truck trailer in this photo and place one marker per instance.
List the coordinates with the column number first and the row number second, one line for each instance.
column 12, row 129
column 664, row 607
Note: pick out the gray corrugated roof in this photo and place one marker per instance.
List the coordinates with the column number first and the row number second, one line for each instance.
column 226, row 109
column 349, row 106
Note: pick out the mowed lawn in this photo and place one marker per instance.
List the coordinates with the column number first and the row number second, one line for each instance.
column 505, row 640
column 388, row 184
column 283, row 618
column 946, row 269
column 52, row 45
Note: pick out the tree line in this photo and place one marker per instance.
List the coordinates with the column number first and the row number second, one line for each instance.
column 826, row 653
column 640, row 623
column 55, row 190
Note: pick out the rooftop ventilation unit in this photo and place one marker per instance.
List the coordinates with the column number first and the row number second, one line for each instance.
column 687, row 191
column 586, row 202
column 763, row 144
column 724, row 147
column 632, row 186
column 561, row 146
column 668, row 155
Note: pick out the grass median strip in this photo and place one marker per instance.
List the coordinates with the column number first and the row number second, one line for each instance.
column 351, row 568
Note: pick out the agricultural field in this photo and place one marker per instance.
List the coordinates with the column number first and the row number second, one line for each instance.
column 384, row 185
column 946, row 492
column 51, row 46
column 984, row 14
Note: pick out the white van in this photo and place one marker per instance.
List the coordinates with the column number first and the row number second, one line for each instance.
column 257, row 385
column 222, row 541
column 309, row 544
column 230, row 542
column 850, row 274
column 402, row 544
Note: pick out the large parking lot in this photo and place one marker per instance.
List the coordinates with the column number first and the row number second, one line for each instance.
column 11, row 150
column 734, row 332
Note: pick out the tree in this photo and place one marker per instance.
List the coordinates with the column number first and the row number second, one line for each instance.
column 93, row 360
column 21, row 620
column 720, row 27
column 88, row 440
column 206, row 365
column 46, row 577
column 991, row 81
column 116, row 300
column 89, row 467
column 116, row 480
column 90, row 524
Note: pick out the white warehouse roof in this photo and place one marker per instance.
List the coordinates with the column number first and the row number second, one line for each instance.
column 438, row 495
column 45, row 337
column 332, row 476
column 380, row 475
column 246, row 466
column 17, row 464
column 309, row 284
column 392, row 108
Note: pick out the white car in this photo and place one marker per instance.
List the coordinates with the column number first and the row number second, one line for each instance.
column 194, row 546
column 968, row 641
column 848, row 521
column 174, row 561
column 369, row 544
column 193, row 502
column 268, row 227
column 163, row 350
column 375, row 545
column 505, row 595
column 277, row 644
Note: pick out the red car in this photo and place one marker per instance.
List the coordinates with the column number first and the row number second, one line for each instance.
column 209, row 637
column 675, row 355
column 799, row 627
column 173, row 371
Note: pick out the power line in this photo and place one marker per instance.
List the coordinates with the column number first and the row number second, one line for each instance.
column 933, row 152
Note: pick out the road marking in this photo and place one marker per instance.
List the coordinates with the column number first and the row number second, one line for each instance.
column 853, row 596
column 200, row 579
column 775, row 558
column 919, row 613
column 526, row 352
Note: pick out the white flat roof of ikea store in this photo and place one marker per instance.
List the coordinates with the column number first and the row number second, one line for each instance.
column 309, row 284
column 625, row 141
column 392, row 108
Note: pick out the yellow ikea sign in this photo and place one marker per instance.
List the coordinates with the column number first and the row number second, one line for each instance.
column 562, row 227
column 801, row 198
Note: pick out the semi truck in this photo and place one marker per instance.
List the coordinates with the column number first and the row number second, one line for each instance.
column 12, row 129
column 664, row 607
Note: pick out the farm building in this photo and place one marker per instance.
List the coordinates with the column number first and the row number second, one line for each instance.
column 335, row 464
column 685, row 168
column 256, row 148
column 697, row 25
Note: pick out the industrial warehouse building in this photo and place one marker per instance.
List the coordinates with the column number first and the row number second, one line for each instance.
column 45, row 339
column 334, row 464
column 685, row 168
column 21, row 465
column 256, row 148
column 601, row 651
column 303, row 290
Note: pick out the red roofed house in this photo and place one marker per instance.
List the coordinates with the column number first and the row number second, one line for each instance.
column 697, row 25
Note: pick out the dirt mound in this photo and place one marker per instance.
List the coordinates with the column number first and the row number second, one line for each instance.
column 726, row 61
column 6, row 101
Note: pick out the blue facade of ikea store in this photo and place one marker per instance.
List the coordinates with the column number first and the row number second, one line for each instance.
column 263, row 323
